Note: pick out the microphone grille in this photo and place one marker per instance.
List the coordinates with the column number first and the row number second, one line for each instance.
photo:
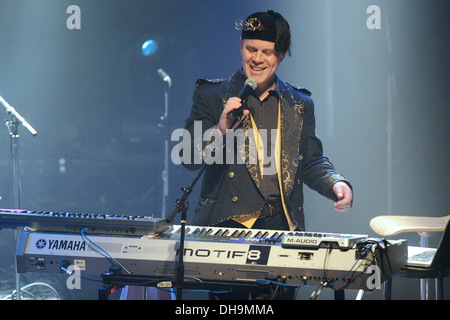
column 252, row 83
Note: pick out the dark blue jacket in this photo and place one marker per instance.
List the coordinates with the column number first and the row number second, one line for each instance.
column 232, row 190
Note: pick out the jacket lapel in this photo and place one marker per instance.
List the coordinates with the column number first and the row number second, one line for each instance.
column 246, row 152
column 291, row 119
column 250, row 153
column 292, row 111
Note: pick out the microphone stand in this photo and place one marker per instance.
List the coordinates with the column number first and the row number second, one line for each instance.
column 182, row 206
column 165, row 124
column 165, row 172
column 12, row 125
column 14, row 137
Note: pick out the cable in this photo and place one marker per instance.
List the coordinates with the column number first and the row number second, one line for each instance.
column 329, row 248
column 363, row 250
column 79, row 276
column 364, row 247
column 106, row 254
column 318, row 290
column 281, row 286
column 363, row 254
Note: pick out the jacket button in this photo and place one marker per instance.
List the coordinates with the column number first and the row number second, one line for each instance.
column 231, row 174
column 234, row 199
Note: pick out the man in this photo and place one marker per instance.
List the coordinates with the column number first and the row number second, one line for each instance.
column 279, row 151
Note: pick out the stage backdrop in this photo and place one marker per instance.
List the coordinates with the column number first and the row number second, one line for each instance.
column 378, row 72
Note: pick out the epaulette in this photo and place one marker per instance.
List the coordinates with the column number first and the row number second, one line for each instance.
column 304, row 90
column 201, row 82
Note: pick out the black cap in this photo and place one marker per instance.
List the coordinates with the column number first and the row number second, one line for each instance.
column 268, row 26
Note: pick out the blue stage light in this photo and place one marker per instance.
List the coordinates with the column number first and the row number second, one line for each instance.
column 149, row 48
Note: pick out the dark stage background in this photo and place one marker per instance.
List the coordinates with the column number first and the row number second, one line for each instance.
column 381, row 100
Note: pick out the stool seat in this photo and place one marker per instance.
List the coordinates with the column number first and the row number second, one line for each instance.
column 393, row 225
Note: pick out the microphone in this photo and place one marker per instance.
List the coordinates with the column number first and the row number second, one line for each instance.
column 250, row 85
column 165, row 77
column 14, row 113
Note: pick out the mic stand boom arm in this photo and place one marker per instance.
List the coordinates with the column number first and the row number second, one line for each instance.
column 17, row 116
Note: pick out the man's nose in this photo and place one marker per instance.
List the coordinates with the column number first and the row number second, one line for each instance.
column 257, row 57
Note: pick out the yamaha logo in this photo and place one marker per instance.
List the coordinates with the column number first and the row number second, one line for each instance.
column 41, row 243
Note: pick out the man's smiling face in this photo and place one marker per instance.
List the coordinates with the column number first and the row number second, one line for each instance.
column 260, row 61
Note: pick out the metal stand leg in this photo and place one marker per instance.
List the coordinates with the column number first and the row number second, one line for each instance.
column 388, row 289
column 339, row 294
column 423, row 282
column 12, row 125
column 440, row 287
